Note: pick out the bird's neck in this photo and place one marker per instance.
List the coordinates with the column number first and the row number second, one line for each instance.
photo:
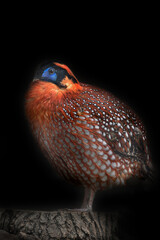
column 44, row 99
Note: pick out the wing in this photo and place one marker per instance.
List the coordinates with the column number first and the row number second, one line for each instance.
column 119, row 125
column 124, row 131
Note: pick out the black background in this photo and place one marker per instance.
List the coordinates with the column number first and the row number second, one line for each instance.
column 119, row 56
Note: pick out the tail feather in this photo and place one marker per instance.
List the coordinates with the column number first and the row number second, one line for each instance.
column 148, row 172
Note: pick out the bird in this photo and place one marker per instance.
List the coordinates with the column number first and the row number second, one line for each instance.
column 91, row 137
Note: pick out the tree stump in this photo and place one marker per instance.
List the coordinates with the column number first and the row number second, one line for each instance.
column 61, row 224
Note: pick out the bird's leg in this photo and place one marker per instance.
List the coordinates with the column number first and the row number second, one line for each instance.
column 88, row 199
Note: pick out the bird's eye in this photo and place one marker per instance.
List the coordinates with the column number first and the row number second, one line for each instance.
column 51, row 70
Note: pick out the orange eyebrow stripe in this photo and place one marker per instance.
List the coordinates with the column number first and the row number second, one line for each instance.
column 66, row 68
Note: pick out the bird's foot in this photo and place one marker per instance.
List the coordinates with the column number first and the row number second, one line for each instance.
column 78, row 209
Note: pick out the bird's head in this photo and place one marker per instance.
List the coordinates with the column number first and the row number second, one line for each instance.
column 58, row 74
column 53, row 83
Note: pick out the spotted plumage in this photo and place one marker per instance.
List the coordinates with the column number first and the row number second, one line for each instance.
column 89, row 135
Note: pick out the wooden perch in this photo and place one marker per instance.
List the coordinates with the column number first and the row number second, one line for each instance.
column 61, row 224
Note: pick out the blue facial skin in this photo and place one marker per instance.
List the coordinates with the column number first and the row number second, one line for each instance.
column 49, row 75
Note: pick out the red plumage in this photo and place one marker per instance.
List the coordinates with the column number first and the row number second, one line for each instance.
column 90, row 136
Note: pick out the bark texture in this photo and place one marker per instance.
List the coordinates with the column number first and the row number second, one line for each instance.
column 61, row 224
